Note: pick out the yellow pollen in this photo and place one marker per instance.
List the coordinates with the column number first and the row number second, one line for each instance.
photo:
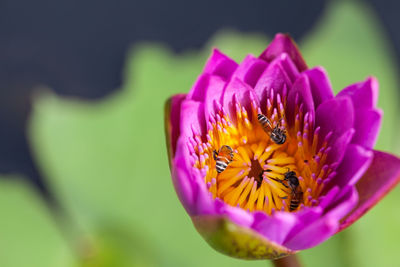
column 255, row 179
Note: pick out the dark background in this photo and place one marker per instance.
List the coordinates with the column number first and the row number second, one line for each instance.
column 77, row 48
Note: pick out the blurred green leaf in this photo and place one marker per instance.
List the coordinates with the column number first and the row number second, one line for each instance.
column 28, row 235
column 351, row 45
column 108, row 163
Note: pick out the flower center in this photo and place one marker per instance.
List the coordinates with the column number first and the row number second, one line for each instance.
column 263, row 173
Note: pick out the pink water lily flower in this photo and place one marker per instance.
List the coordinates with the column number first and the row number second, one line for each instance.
column 267, row 161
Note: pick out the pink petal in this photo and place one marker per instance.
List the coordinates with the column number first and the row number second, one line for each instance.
column 172, row 121
column 220, row 65
column 382, row 175
column 213, row 95
column 182, row 177
column 320, row 85
column 367, row 124
column 204, row 202
column 274, row 77
column 363, row 94
column 217, row 64
column 289, row 67
column 276, row 227
column 242, row 92
column 250, row 69
column 335, row 115
column 339, row 146
column 304, row 217
column 355, row 162
column 301, row 92
column 283, row 43
column 313, row 234
column 192, row 118
column 343, row 203
column 320, row 230
column 235, row 214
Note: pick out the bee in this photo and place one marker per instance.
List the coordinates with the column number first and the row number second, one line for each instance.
column 223, row 157
column 277, row 134
column 292, row 182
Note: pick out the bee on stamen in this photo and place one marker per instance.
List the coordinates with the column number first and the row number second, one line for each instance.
column 223, row 157
column 292, row 182
column 277, row 133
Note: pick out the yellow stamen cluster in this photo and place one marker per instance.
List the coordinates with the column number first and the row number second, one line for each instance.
column 243, row 183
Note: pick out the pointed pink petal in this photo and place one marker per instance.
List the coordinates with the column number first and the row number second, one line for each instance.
column 367, row 124
column 355, row 162
column 217, row 64
column 336, row 115
column 213, row 95
column 289, row 66
column 339, row 146
column 172, row 122
column 320, row 230
column 320, row 85
column 276, row 227
column 363, row 94
column 250, row 69
column 302, row 92
column 220, row 65
column 182, row 177
column 192, row 118
column 274, row 77
column 283, row 43
column 313, row 234
column 382, row 175
column 237, row 215
column 241, row 91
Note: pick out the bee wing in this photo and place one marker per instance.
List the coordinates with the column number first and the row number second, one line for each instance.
column 269, row 123
column 264, row 121
column 227, row 151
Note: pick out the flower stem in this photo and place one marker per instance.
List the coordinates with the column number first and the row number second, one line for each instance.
column 289, row 261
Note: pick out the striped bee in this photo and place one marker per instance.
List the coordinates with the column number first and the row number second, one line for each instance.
column 292, row 182
column 223, row 157
column 277, row 134
column 296, row 193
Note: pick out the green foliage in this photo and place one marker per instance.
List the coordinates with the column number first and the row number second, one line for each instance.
column 107, row 162
column 351, row 46
column 29, row 235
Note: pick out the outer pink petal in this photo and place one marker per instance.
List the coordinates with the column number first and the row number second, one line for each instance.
column 313, row 234
column 238, row 92
column 192, row 118
column 323, row 228
column 338, row 148
column 235, row 214
column 274, row 77
column 172, row 122
column 335, row 115
column 367, row 124
column 300, row 93
column 320, row 85
column 182, row 178
column 219, row 65
column 213, row 95
column 363, row 94
column 382, row 175
column 275, row 227
column 250, row 69
column 289, row 66
column 355, row 162
column 283, row 43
